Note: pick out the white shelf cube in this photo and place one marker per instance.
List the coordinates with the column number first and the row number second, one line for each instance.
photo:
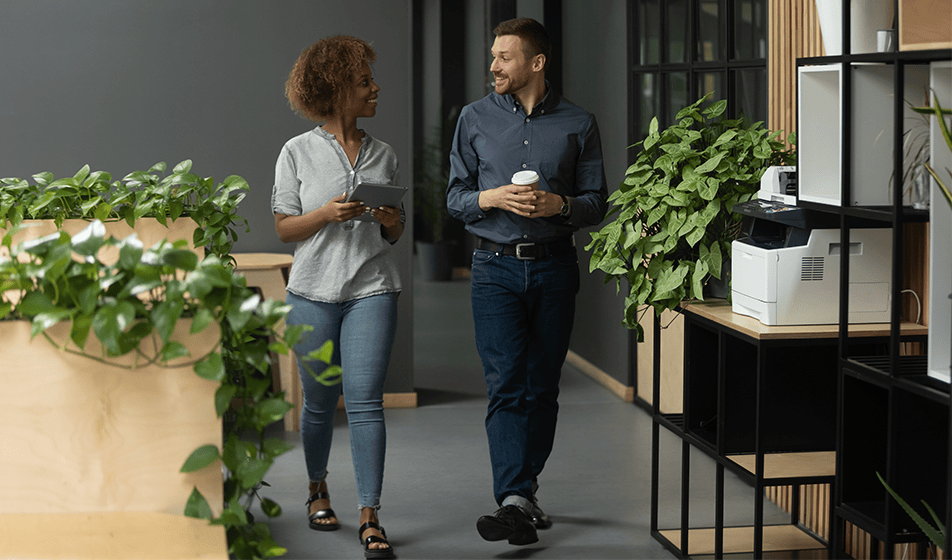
column 940, row 232
column 820, row 125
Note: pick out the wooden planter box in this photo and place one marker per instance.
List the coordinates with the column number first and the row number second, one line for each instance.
column 93, row 451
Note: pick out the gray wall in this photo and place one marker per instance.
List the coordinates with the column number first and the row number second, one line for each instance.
column 595, row 74
column 123, row 84
column 430, row 68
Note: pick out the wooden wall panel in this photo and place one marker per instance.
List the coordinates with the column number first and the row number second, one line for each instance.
column 924, row 24
column 794, row 33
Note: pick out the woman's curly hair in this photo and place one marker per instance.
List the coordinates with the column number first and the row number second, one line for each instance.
column 320, row 81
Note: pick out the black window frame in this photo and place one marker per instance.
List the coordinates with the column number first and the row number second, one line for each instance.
column 727, row 66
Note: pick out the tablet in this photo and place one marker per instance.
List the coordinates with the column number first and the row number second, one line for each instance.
column 376, row 195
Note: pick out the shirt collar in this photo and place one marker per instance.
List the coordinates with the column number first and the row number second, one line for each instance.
column 549, row 100
column 328, row 136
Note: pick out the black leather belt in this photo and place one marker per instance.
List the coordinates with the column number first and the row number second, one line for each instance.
column 529, row 251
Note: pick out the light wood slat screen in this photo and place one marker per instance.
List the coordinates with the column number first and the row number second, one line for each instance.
column 794, row 33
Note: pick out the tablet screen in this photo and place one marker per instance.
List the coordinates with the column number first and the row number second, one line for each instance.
column 376, row 195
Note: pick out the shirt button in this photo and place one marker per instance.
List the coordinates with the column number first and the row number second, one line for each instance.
column 524, row 166
column 525, row 237
column 526, row 142
column 527, row 119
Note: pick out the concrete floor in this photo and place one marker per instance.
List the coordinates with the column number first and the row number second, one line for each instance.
column 438, row 482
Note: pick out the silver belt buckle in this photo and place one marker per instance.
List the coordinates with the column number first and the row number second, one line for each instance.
column 519, row 247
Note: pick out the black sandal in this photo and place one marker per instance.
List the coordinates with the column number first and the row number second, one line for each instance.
column 321, row 514
column 374, row 552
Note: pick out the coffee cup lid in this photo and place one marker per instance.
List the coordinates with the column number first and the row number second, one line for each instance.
column 525, row 178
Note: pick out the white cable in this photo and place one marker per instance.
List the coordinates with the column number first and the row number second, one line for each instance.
column 918, row 303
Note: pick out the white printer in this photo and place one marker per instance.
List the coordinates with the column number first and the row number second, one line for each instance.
column 785, row 266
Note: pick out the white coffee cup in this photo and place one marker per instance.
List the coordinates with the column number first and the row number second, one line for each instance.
column 526, row 178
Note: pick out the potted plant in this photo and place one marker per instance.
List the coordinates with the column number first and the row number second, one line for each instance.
column 673, row 223
column 135, row 313
column 429, row 205
column 147, row 202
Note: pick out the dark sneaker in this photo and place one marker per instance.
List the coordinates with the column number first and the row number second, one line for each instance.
column 508, row 523
column 538, row 517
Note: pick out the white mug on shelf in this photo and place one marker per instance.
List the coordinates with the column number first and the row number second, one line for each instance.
column 885, row 40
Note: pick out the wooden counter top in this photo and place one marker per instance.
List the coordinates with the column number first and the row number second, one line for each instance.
column 720, row 312
column 262, row 261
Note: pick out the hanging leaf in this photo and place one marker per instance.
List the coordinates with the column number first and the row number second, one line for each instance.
column 197, row 506
column 270, row 508
column 223, row 398
column 200, row 458
column 212, row 367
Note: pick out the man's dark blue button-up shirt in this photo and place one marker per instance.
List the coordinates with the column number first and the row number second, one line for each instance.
column 495, row 138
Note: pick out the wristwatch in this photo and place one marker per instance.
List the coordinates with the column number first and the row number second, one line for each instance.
column 566, row 207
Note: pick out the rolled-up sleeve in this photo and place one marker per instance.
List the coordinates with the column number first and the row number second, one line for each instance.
column 286, row 196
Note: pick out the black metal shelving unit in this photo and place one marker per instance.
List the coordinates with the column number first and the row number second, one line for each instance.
column 761, row 403
column 867, row 408
column 893, row 418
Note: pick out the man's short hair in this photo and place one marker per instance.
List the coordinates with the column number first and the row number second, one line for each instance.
column 535, row 39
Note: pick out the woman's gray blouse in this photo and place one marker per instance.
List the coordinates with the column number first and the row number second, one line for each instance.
column 340, row 262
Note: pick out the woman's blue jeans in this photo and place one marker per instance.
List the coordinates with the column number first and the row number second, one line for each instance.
column 523, row 312
column 362, row 331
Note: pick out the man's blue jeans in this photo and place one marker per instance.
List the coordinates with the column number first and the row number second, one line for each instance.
column 363, row 331
column 523, row 312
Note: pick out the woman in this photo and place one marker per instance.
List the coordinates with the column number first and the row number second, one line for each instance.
column 344, row 281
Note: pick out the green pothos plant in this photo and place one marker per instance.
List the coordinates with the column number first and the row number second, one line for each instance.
column 132, row 306
column 673, row 225
column 96, row 196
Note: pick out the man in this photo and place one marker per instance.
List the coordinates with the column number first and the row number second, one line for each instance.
column 525, row 272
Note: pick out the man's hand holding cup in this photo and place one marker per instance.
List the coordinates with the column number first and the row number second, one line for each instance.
column 543, row 203
column 522, row 197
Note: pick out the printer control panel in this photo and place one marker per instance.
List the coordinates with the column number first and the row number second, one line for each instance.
column 761, row 207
